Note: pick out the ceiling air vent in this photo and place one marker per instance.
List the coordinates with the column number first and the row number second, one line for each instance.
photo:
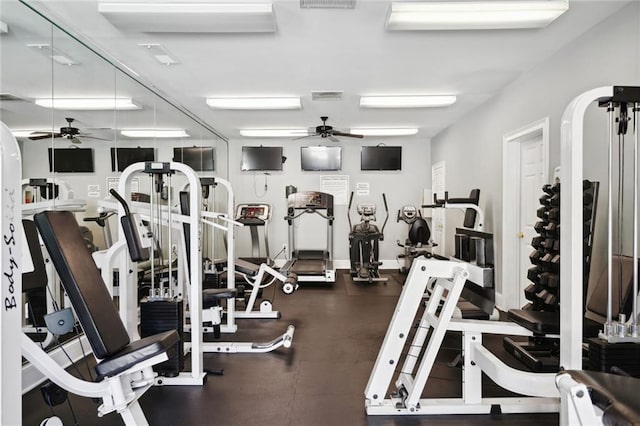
column 324, row 95
column 328, row 4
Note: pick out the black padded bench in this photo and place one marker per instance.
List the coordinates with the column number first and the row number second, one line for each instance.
column 92, row 302
column 615, row 395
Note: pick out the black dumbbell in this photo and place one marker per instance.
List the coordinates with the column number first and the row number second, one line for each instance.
column 543, row 212
column 556, row 245
column 533, row 274
column 554, row 214
column 554, row 200
column 536, row 242
column 535, row 256
column 544, row 199
column 540, row 225
column 545, row 262
column 552, row 228
column 555, row 264
column 544, row 279
column 553, row 281
column 547, row 189
column 530, row 292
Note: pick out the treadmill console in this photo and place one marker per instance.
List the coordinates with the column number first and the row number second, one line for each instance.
column 253, row 213
column 310, row 200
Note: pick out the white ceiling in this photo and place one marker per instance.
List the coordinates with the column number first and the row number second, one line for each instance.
column 312, row 49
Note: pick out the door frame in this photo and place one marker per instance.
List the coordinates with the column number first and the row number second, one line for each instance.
column 508, row 297
column 442, row 246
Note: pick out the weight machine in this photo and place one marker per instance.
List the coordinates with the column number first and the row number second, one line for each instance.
column 364, row 242
column 593, row 397
column 418, row 242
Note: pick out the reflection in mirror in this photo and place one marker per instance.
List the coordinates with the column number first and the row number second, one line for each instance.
column 67, row 148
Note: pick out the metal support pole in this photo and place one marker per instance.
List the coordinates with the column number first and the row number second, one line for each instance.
column 634, row 317
column 608, row 325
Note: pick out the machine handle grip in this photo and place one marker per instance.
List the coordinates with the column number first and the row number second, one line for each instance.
column 121, row 200
column 386, row 209
column 349, row 210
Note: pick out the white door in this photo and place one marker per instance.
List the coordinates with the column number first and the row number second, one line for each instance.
column 530, row 188
column 438, row 215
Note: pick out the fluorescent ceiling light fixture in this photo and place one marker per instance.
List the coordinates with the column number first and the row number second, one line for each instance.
column 408, row 101
column 88, row 103
column 4, row 28
column 27, row 133
column 190, row 17
column 371, row 131
column 255, row 103
column 154, row 133
column 160, row 53
column 54, row 53
column 274, row 133
column 181, row 8
column 474, row 15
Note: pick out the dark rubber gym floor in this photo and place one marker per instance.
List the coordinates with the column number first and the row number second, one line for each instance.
column 319, row 381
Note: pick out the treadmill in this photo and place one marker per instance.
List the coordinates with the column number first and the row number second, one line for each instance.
column 310, row 265
column 254, row 216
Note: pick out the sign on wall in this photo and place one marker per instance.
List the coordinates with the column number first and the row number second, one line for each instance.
column 338, row 186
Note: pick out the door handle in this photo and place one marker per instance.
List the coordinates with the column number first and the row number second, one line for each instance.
column 520, row 234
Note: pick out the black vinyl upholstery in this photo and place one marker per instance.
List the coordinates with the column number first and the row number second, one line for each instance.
column 91, row 301
column 36, row 279
column 539, row 322
column 615, row 395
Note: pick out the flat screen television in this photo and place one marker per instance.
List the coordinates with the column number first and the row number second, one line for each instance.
column 321, row 158
column 381, row 158
column 71, row 160
column 124, row 157
column 199, row 158
column 261, row 158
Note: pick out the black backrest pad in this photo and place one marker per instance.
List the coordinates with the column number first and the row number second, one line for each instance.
column 38, row 277
column 82, row 281
column 470, row 214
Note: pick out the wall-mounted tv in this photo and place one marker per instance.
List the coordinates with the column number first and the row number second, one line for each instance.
column 199, row 158
column 381, row 158
column 124, row 157
column 71, row 160
column 261, row 158
column 321, row 158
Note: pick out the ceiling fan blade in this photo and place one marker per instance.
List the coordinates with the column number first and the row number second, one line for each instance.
column 304, row 137
column 75, row 140
column 333, row 138
column 348, row 135
column 39, row 136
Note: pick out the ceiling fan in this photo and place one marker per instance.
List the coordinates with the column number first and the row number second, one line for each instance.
column 325, row 131
column 68, row 132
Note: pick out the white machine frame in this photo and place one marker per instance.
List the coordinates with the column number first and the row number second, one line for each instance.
column 190, row 279
column 12, row 264
column 410, row 382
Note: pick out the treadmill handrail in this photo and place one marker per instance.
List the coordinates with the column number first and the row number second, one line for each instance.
column 309, row 210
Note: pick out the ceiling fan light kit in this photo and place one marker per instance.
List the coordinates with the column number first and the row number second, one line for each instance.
column 474, row 15
column 154, row 133
column 255, row 103
column 88, row 103
column 407, row 101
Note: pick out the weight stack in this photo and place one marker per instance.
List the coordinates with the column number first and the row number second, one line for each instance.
column 604, row 355
column 158, row 316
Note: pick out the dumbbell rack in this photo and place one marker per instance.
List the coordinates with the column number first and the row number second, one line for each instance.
column 543, row 294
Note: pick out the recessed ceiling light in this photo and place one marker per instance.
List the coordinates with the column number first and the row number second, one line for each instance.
column 53, row 53
column 470, row 15
column 154, row 133
column 4, row 28
column 408, row 101
column 255, row 103
column 274, row 133
column 391, row 131
column 185, row 17
column 160, row 53
column 88, row 103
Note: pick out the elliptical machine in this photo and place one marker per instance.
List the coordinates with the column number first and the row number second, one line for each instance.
column 364, row 240
column 418, row 242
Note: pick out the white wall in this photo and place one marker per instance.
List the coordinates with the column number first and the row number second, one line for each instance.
column 472, row 148
column 401, row 187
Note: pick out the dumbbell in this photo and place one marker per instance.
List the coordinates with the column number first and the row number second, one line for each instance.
column 586, row 184
column 554, row 200
column 544, row 199
column 539, row 226
column 555, row 188
column 547, row 300
column 530, row 292
column 555, row 264
column 536, row 242
column 533, row 274
column 553, row 281
column 553, row 214
column 548, row 243
column 545, row 262
column 552, row 228
column 587, row 198
column 535, row 256
column 547, row 189
column 544, row 279
column 556, row 245
column 543, row 212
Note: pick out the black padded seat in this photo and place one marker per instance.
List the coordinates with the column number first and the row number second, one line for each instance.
column 136, row 352
column 615, row 395
column 471, row 311
column 538, row 322
column 91, row 301
column 247, row 268
column 211, row 296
